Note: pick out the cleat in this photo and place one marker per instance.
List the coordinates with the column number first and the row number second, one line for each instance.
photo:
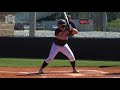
column 40, row 72
column 75, row 71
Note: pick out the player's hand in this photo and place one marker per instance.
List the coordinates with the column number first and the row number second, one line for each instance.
column 71, row 28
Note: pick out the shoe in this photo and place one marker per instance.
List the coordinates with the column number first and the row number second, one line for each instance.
column 75, row 71
column 40, row 72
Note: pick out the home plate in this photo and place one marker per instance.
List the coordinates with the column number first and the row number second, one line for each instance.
column 75, row 74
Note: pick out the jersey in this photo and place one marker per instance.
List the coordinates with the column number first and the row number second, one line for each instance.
column 58, row 41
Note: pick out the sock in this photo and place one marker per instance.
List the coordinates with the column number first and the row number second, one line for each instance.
column 44, row 64
column 73, row 64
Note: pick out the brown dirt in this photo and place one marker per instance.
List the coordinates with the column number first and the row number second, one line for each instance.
column 60, row 72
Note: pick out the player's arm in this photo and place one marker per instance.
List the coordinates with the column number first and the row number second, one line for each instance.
column 73, row 31
column 72, row 24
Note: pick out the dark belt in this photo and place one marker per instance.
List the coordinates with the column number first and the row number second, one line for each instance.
column 60, row 42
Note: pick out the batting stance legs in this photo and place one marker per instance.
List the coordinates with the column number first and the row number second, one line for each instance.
column 54, row 51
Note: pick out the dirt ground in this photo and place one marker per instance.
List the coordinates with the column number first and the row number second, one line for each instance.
column 60, row 72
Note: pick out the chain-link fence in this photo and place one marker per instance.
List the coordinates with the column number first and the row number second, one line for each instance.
column 46, row 22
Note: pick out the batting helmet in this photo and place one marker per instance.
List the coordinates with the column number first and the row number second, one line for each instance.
column 62, row 22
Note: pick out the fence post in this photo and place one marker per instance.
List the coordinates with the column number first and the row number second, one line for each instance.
column 104, row 21
column 32, row 24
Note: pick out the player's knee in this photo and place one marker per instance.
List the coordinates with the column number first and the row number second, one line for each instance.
column 48, row 60
column 72, row 59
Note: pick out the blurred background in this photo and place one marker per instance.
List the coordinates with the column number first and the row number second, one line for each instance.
column 43, row 24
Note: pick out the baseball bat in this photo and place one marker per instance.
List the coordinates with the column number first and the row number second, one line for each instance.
column 66, row 19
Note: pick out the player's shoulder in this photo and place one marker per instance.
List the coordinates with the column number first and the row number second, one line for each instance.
column 57, row 29
column 72, row 23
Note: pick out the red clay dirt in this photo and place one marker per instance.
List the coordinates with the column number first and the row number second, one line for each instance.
column 60, row 72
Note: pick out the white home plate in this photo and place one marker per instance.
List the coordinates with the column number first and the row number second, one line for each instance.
column 76, row 74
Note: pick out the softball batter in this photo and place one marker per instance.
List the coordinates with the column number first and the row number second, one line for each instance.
column 60, row 45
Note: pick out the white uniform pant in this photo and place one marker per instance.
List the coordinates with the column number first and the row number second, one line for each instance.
column 64, row 49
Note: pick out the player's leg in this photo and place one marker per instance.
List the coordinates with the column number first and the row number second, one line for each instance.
column 68, row 52
column 53, row 52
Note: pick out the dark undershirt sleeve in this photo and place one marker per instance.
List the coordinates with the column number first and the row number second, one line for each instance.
column 56, row 32
column 73, row 25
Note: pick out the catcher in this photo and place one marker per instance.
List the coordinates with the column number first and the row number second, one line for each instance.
column 60, row 45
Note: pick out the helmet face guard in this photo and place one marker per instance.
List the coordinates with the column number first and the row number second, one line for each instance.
column 63, row 26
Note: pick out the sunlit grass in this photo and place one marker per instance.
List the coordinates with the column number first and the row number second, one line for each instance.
column 21, row 62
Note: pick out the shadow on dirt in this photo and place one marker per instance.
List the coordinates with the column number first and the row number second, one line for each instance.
column 108, row 66
column 105, row 66
column 113, row 74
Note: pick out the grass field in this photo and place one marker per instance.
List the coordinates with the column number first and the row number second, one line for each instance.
column 21, row 62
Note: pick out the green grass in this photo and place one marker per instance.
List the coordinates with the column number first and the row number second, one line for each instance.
column 21, row 62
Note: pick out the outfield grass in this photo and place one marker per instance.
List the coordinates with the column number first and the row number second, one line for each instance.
column 20, row 62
